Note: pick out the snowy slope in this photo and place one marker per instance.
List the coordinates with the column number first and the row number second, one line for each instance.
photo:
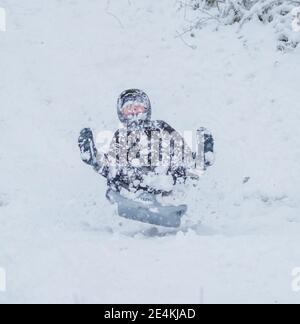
column 63, row 64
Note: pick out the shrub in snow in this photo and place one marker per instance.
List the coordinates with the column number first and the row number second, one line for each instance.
column 283, row 15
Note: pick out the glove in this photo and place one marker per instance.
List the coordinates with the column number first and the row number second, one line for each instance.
column 87, row 147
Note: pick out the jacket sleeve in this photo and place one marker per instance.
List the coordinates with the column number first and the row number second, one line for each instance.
column 181, row 153
column 102, row 165
column 109, row 163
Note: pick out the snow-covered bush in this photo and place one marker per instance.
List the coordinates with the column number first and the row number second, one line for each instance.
column 283, row 15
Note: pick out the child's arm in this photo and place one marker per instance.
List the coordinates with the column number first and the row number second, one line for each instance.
column 89, row 153
column 204, row 157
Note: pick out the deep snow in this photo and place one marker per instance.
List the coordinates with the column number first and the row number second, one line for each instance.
column 63, row 65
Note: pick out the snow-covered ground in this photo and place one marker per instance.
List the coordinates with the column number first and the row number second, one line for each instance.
column 62, row 66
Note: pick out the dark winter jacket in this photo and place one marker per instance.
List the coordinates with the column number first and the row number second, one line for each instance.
column 143, row 149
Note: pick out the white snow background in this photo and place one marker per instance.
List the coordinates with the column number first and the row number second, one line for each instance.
column 62, row 67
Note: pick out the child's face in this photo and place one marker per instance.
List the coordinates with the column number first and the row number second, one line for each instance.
column 132, row 109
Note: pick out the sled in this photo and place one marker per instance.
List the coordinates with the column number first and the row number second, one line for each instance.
column 147, row 209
